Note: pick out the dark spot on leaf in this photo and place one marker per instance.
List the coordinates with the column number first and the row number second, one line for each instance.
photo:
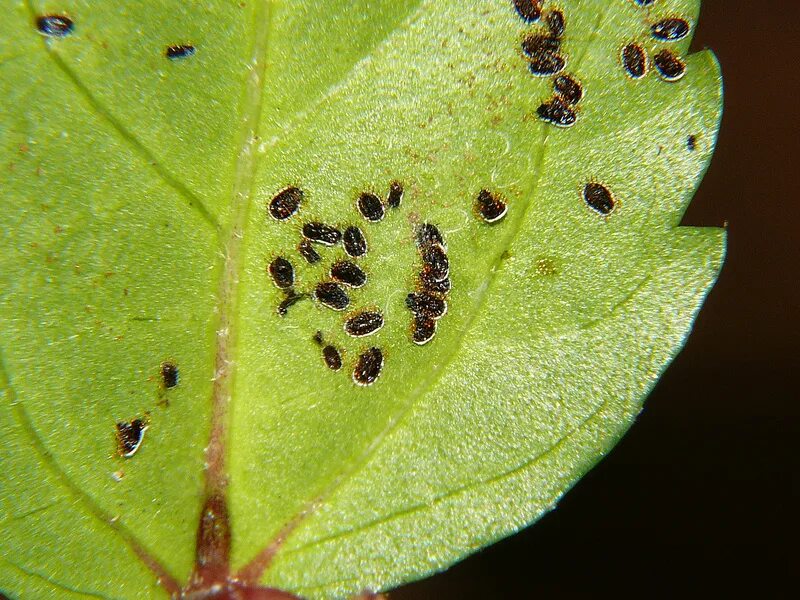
column 363, row 323
column 355, row 244
column 557, row 112
column 332, row 295
column 538, row 44
column 598, row 197
column 528, row 10
column 491, row 207
column 428, row 234
column 348, row 273
column 179, row 51
column 285, row 203
column 370, row 207
column 169, row 374
column 691, row 143
column 282, row 272
column 670, row 30
column 436, row 287
column 556, row 23
column 424, row 328
column 395, row 194
column 634, row 59
column 669, row 65
column 332, row 357
column 318, row 338
column 430, row 305
column 291, row 299
column 320, row 233
column 308, row 252
column 368, row 367
column 568, row 88
column 436, row 265
column 644, row 2
column 129, row 436
column 55, row 25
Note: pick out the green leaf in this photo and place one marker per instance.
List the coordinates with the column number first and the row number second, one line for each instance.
column 136, row 232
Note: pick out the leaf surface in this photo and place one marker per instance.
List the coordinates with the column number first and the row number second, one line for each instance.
column 137, row 232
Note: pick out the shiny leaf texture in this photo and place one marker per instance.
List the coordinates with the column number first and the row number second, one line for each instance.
column 159, row 365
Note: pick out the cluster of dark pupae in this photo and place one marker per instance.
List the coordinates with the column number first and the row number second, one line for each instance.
column 428, row 303
column 343, row 274
column 543, row 52
column 59, row 26
column 669, row 65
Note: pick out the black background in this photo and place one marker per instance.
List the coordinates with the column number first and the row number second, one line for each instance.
column 701, row 497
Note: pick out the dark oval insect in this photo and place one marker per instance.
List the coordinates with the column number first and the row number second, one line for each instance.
column 368, row 367
column 291, row 299
column 370, row 207
column 644, row 2
column 355, row 244
column 55, row 25
column 169, row 374
column 691, row 143
column 556, row 23
column 308, row 252
column 537, row 44
column 364, row 323
column 598, row 197
column 428, row 234
column 331, row 295
column 557, row 112
column 542, row 51
column 348, row 273
column 634, row 60
column 285, row 203
column 282, row 272
column 395, row 194
column 179, row 51
column 569, row 88
column 423, row 330
column 491, row 207
column 427, row 304
column 670, row 30
column 321, row 233
column 528, row 10
column 436, row 287
column 332, row 358
column 436, row 265
column 669, row 65
column 130, row 435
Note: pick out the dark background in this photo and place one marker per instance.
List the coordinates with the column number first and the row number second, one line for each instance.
column 701, row 497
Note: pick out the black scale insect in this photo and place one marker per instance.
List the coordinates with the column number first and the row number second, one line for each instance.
column 395, row 196
column 634, row 60
column 599, row 198
column 332, row 295
column 332, row 357
column 291, row 299
column 557, row 112
column 427, row 304
column 428, row 234
column 371, row 207
column 670, row 30
column 355, row 244
column 556, row 23
column 669, row 65
column 130, row 435
column 179, row 51
column 308, row 252
column 529, row 10
column 424, row 328
column 543, row 56
column 368, row 367
column 436, row 265
column 568, row 88
column 282, row 273
column 321, row 233
column 55, row 25
column 348, row 273
column 285, row 203
column 169, row 374
column 490, row 207
column 363, row 323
